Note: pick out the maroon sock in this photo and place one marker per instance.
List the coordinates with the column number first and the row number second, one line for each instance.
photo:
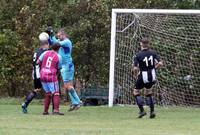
column 47, row 101
column 56, row 101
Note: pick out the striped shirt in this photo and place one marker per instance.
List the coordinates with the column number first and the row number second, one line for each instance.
column 50, row 62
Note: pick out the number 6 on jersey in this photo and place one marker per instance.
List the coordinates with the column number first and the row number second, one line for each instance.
column 49, row 61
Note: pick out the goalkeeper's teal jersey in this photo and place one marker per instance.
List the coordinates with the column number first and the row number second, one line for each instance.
column 65, row 50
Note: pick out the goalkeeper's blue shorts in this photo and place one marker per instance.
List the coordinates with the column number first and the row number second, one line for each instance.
column 67, row 72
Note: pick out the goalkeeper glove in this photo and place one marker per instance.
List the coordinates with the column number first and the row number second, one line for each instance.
column 49, row 30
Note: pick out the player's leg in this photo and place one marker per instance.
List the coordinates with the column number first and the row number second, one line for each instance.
column 27, row 101
column 71, row 89
column 65, row 80
column 67, row 74
column 47, row 98
column 47, row 101
column 73, row 92
column 76, row 103
column 139, row 100
column 31, row 95
column 54, row 88
column 150, row 99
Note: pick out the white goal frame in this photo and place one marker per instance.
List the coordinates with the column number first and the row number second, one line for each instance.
column 113, row 35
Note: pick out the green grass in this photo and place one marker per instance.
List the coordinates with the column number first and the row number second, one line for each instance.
column 16, row 101
column 99, row 121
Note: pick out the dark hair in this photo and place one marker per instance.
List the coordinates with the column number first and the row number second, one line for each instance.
column 55, row 46
column 144, row 41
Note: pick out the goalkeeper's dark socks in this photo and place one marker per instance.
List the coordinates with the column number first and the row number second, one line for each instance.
column 47, row 101
column 150, row 102
column 139, row 102
column 56, row 102
column 29, row 98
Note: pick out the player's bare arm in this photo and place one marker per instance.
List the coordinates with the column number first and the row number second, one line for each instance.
column 135, row 71
column 159, row 64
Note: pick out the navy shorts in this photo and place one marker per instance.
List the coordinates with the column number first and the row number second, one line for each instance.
column 37, row 83
column 145, row 82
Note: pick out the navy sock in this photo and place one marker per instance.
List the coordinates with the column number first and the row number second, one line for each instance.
column 150, row 102
column 139, row 101
column 29, row 98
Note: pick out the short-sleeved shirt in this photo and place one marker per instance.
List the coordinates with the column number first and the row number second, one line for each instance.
column 50, row 63
column 146, row 59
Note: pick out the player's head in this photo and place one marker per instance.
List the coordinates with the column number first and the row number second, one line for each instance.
column 44, row 44
column 55, row 46
column 61, row 35
column 144, row 42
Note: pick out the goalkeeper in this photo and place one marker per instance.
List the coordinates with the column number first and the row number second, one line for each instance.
column 67, row 71
column 36, row 72
column 145, row 64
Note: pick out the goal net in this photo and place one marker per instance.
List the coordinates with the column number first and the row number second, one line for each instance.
column 175, row 36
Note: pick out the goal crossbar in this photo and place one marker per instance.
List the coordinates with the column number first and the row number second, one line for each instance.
column 157, row 11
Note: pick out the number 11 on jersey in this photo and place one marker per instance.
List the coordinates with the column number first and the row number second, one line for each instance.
column 146, row 60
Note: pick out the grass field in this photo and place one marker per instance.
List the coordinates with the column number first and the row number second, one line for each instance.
column 98, row 121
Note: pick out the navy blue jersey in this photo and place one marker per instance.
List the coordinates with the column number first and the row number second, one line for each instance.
column 146, row 59
column 37, row 54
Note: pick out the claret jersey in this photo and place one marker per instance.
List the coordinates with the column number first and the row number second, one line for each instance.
column 50, row 63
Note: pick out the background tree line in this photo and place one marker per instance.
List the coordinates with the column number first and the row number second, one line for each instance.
column 87, row 22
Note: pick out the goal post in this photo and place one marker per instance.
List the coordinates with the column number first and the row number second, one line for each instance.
column 175, row 35
column 112, row 59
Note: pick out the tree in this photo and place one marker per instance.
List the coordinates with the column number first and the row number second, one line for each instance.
column 87, row 23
